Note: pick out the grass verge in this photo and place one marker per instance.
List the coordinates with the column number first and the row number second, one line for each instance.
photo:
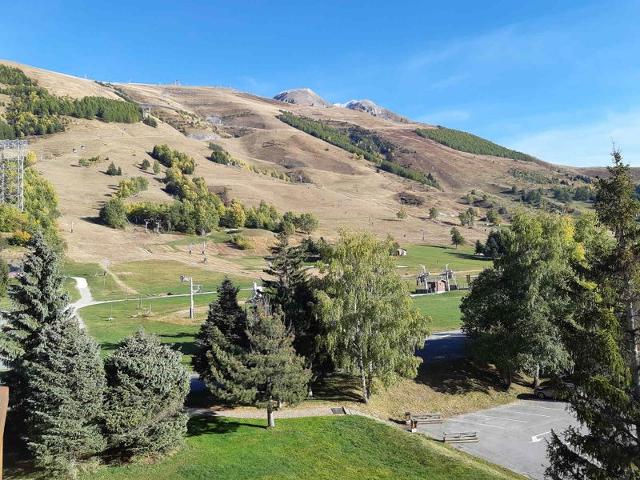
column 319, row 448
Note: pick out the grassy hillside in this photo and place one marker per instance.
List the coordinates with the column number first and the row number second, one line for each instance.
column 319, row 448
column 467, row 142
column 358, row 141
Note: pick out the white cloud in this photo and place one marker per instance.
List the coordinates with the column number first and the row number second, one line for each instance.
column 586, row 144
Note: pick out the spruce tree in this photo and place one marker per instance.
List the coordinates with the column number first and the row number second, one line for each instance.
column 604, row 343
column 222, row 343
column 146, row 389
column 38, row 299
column 290, row 290
column 63, row 397
column 274, row 373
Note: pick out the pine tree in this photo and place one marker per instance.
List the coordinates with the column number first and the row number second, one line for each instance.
column 604, row 343
column 274, row 373
column 221, row 345
column 63, row 397
column 146, row 389
column 290, row 290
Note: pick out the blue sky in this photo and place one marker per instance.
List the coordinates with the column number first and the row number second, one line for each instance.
column 557, row 79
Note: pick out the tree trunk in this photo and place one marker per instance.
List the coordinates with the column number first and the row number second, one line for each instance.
column 270, row 420
column 536, row 377
column 507, row 377
column 363, row 379
column 633, row 330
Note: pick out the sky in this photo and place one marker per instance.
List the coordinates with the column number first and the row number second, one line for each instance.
column 556, row 79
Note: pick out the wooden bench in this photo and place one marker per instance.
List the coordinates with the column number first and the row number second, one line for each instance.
column 415, row 419
column 460, row 437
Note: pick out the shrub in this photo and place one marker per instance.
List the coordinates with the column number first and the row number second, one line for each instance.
column 149, row 120
column 87, row 162
column 145, row 165
column 113, row 170
column 132, row 186
column 241, row 242
column 221, row 156
column 234, row 216
column 114, row 213
column 173, row 158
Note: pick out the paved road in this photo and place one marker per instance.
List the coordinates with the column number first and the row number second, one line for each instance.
column 514, row 435
column 444, row 346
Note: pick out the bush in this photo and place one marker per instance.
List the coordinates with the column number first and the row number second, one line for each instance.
column 173, row 158
column 221, row 156
column 149, row 120
column 87, row 162
column 114, row 213
column 234, row 216
column 145, row 165
column 265, row 216
column 132, row 186
column 241, row 242
column 113, row 170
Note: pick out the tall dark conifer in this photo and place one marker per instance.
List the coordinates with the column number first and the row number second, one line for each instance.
column 289, row 289
column 604, row 342
column 38, row 299
column 274, row 374
column 144, row 401
column 222, row 343
column 63, row 403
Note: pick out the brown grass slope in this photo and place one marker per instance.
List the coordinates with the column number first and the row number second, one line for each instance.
column 345, row 192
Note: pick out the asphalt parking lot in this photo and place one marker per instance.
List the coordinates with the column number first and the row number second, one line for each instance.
column 514, row 435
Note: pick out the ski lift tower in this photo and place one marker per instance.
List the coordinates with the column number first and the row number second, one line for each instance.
column 12, row 156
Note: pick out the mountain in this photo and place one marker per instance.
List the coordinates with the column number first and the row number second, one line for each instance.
column 350, row 168
column 374, row 109
column 302, row 96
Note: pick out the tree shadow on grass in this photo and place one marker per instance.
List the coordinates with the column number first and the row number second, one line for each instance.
column 459, row 376
column 203, row 424
column 337, row 387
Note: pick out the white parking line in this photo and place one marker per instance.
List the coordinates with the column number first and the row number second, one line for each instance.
column 527, row 413
column 501, row 418
column 475, row 423
column 539, row 437
column 561, row 409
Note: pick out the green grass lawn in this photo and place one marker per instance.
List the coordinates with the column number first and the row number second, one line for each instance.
column 102, row 287
column 305, row 448
column 434, row 258
column 443, row 308
column 161, row 277
column 152, row 277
